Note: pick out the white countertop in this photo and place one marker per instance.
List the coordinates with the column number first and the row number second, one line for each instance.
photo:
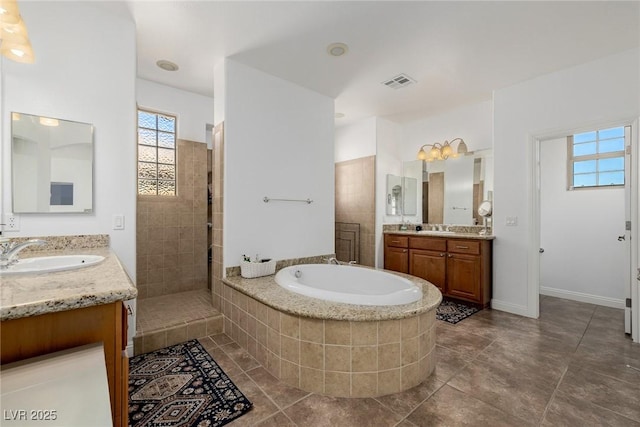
column 68, row 388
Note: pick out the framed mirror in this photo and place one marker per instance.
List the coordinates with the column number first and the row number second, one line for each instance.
column 51, row 164
column 450, row 191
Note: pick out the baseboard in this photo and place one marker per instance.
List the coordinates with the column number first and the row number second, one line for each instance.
column 582, row 297
column 129, row 349
column 520, row 310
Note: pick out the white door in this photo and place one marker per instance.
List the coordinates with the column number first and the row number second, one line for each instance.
column 629, row 188
column 582, row 259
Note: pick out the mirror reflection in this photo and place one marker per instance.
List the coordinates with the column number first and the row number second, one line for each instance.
column 52, row 164
column 452, row 190
column 402, row 195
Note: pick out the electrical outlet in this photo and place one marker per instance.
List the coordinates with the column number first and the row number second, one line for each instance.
column 11, row 222
column 512, row 221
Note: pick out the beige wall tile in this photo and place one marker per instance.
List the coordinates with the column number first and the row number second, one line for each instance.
column 364, row 333
column 311, row 355
column 261, row 333
column 389, row 356
column 176, row 335
column 409, row 327
column 290, row 373
column 389, row 331
column 290, row 325
column 337, row 383
column 196, row 329
column 337, row 332
column 364, row 359
column 410, row 349
column 410, row 376
column 312, row 380
column 337, row 358
column 389, row 382
column 363, row 385
column 312, row 330
column 290, row 349
column 273, row 341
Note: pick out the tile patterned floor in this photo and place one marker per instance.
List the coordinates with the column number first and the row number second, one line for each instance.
column 569, row 368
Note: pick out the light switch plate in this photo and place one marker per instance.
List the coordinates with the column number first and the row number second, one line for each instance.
column 118, row 222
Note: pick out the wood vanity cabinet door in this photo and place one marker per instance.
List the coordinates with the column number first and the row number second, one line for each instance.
column 396, row 259
column 430, row 266
column 464, row 276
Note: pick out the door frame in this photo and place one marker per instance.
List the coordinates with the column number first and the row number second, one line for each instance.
column 533, row 190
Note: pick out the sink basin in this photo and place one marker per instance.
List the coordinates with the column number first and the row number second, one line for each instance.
column 51, row 264
column 435, row 233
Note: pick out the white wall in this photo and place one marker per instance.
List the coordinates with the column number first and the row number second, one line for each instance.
column 193, row 111
column 279, row 140
column 473, row 123
column 585, row 96
column 356, row 140
column 388, row 161
column 84, row 72
column 582, row 258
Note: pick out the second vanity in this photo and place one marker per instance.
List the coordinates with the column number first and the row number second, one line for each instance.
column 458, row 264
column 46, row 313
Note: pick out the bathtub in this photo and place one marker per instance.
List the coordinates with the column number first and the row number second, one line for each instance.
column 348, row 284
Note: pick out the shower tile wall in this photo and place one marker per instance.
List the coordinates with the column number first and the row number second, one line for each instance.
column 355, row 201
column 218, row 185
column 172, row 231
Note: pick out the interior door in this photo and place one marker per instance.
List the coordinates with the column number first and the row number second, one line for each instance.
column 629, row 187
column 579, row 229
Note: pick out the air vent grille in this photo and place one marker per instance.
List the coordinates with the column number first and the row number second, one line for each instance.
column 401, row 80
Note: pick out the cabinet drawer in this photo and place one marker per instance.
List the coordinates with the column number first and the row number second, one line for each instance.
column 428, row 243
column 396, row 241
column 471, row 247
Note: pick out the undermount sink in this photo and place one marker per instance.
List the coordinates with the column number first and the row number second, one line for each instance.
column 436, row 232
column 51, row 264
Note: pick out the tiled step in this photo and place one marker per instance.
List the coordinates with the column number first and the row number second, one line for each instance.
column 169, row 319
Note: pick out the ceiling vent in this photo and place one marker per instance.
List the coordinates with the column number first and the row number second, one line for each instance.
column 401, row 80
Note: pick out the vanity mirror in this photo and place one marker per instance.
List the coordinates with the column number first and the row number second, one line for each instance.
column 52, row 165
column 450, row 191
column 402, row 195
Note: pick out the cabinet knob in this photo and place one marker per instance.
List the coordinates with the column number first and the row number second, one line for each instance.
column 441, row 254
column 450, row 255
column 404, row 251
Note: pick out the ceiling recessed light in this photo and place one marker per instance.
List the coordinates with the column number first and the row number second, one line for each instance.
column 339, row 115
column 337, row 49
column 167, row 65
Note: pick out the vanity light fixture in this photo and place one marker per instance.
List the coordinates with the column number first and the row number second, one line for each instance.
column 14, row 40
column 442, row 151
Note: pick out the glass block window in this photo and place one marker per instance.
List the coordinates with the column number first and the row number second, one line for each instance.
column 156, row 154
column 596, row 158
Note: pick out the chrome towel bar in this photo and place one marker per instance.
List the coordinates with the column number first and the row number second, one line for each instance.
column 267, row 200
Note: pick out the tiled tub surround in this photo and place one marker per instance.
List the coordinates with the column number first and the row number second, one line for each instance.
column 36, row 294
column 331, row 348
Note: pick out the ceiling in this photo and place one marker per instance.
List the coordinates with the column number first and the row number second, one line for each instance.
column 459, row 52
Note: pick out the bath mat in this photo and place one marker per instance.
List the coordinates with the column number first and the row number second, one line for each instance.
column 182, row 385
column 453, row 312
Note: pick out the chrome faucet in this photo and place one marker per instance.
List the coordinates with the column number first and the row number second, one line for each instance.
column 333, row 260
column 9, row 250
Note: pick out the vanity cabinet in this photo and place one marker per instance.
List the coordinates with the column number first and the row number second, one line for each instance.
column 396, row 253
column 459, row 268
column 33, row 336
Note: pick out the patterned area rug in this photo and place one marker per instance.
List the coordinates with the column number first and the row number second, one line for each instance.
column 182, row 386
column 453, row 312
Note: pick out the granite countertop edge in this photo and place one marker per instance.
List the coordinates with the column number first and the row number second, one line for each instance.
column 447, row 236
column 267, row 291
column 36, row 294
